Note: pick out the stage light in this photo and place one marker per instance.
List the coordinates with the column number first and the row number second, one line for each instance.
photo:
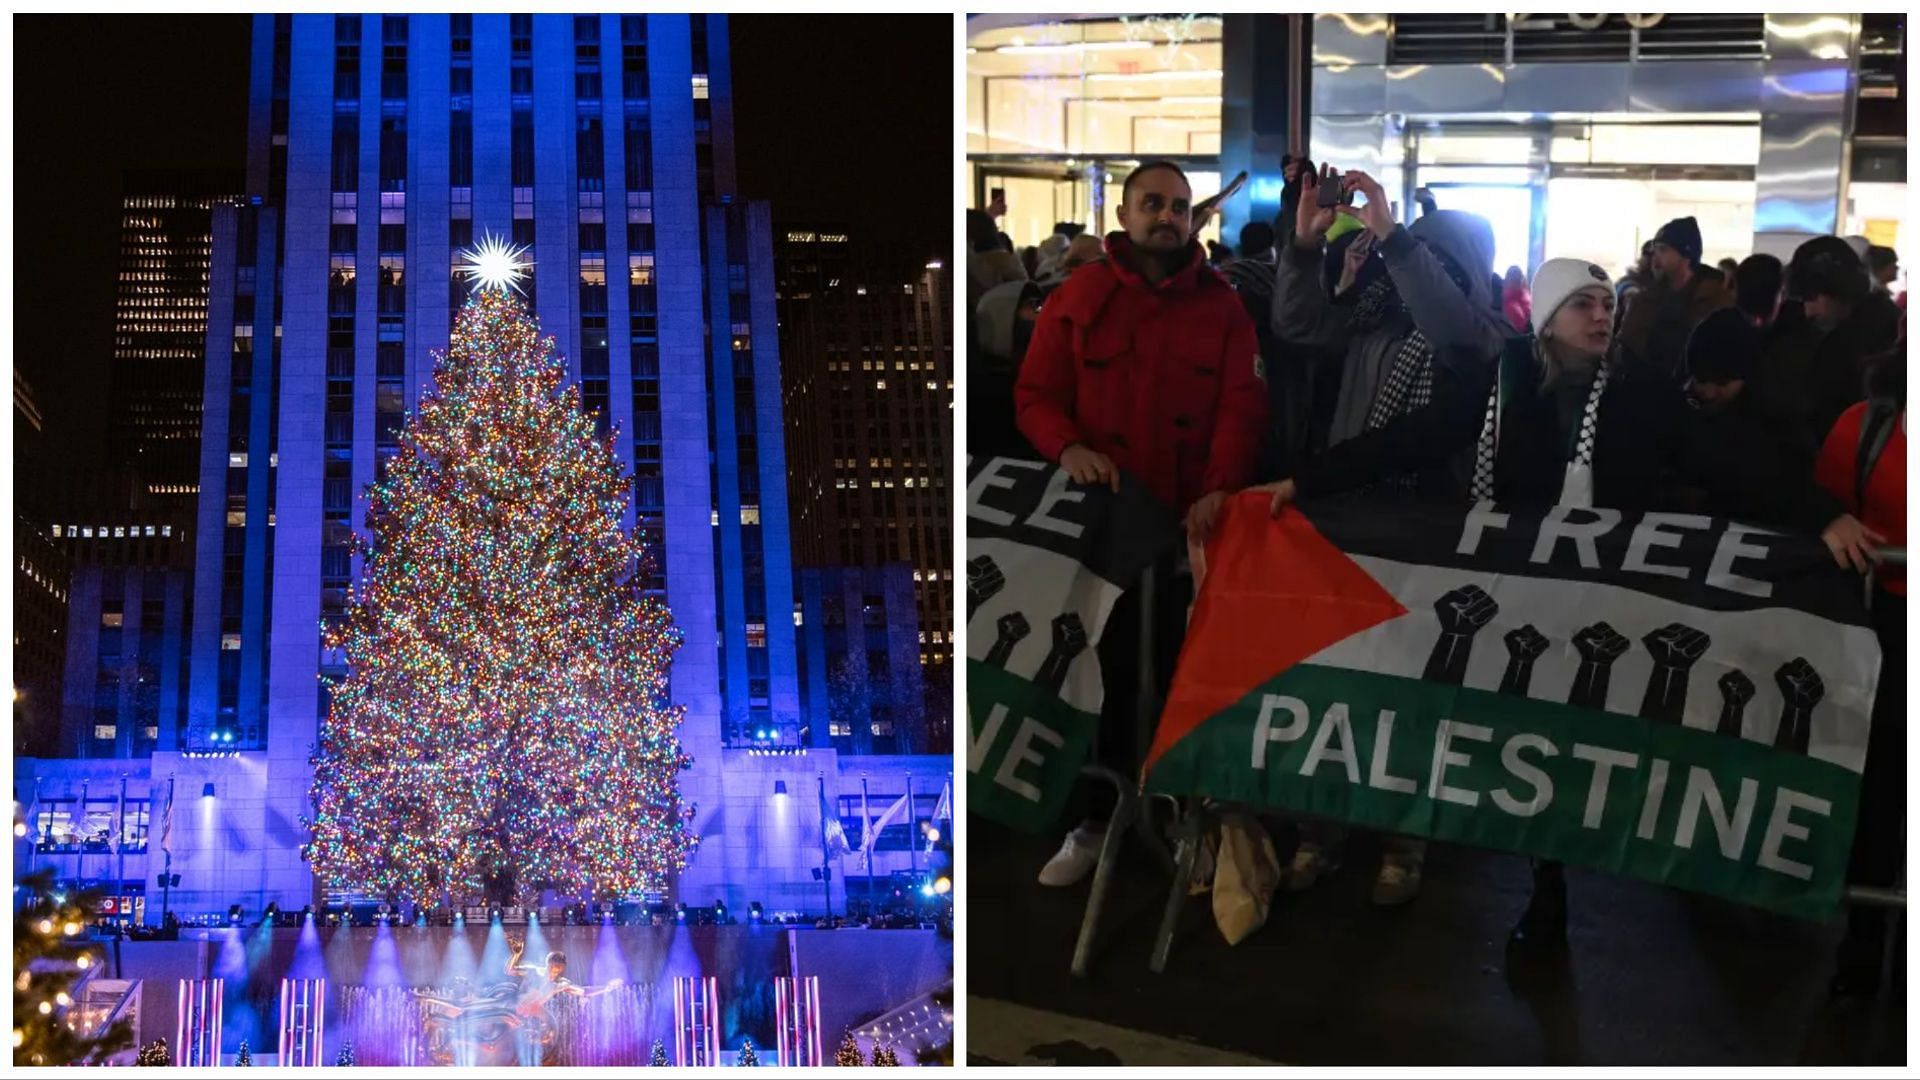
column 494, row 915
column 207, row 791
column 19, row 828
column 754, row 911
column 943, row 885
column 306, row 913
column 273, row 912
column 779, row 787
column 927, row 889
column 933, row 834
column 680, row 912
column 233, row 913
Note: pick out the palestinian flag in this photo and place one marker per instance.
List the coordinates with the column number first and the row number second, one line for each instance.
column 1046, row 559
column 1667, row 696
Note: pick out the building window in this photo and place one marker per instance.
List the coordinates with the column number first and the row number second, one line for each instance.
column 699, row 88
column 104, row 731
column 111, row 618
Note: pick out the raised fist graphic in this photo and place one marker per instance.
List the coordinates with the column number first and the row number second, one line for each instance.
column 1524, row 646
column 1735, row 691
column 1069, row 641
column 1462, row 611
column 1800, row 690
column 1599, row 646
column 984, row 579
column 1012, row 627
column 1465, row 610
column 1675, row 650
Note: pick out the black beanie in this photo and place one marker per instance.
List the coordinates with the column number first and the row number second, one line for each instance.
column 1683, row 236
column 1723, row 347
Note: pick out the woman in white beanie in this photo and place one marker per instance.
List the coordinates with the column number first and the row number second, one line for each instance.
column 1565, row 422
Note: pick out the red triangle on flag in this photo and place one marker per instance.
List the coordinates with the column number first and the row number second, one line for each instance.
column 1275, row 592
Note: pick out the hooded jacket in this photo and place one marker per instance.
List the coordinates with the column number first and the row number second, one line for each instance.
column 1164, row 379
column 1304, row 315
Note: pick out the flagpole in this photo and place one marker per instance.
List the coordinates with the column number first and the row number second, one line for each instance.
column 166, row 847
column 913, row 848
column 826, row 867
column 119, row 844
column 866, row 840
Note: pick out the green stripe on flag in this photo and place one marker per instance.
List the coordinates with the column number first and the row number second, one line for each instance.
column 1630, row 796
column 1024, row 748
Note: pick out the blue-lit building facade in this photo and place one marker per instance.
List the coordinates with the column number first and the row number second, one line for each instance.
column 379, row 147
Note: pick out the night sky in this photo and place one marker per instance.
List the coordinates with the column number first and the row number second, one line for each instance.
column 844, row 118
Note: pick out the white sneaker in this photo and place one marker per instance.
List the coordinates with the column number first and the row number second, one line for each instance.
column 1075, row 860
column 1309, row 862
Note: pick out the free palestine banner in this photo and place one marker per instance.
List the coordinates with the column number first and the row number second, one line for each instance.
column 1046, row 559
column 1667, row 696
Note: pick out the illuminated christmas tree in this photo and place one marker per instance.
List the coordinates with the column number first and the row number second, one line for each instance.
column 884, row 1055
column 49, row 959
column 154, row 1053
column 245, row 1056
column 848, row 1054
column 659, row 1055
column 345, row 1057
column 505, row 715
column 748, row 1058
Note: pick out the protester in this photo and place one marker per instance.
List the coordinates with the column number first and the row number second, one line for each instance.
column 1815, row 366
column 1864, row 465
column 1030, row 262
column 1516, row 302
column 1146, row 364
column 1756, row 288
column 1402, row 295
column 988, row 263
column 1884, row 264
column 1728, row 267
column 1654, row 330
column 1723, row 356
column 1637, row 278
column 1002, row 327
column 1568, row 421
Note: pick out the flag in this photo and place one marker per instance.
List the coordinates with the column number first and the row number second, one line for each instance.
column 943, row 809
column 833, row 835
column 1665, row 696
column 1046, row 559
column 894, row 813
column 166, row 822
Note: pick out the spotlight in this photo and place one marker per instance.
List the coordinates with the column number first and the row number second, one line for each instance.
column 943, row 885
column 233, row 913
column 494, row 915
column 754, row 912
column 207, row 791
column 680, row 912
column 273, row 913
column 779, row 787
column 306, row 914
column 459, row 918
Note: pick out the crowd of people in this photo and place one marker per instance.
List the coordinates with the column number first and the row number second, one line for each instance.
column 1340, row 348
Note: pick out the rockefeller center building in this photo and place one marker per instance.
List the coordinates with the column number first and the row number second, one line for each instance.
column 379, row 147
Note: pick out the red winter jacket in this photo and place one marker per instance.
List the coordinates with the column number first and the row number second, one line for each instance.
column 1164, row 379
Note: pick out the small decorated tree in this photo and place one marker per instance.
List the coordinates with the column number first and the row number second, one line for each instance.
column 51, row 954
column 345, row 1056
column 883, row 1055
column 245, row 1056
column 154, row 1053
column 659, row 1056
column 748, row 1058
column 848, row 1055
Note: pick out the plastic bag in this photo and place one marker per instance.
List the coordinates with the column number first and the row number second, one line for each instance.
column 1246, row 873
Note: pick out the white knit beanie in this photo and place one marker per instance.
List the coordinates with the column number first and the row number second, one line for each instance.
column 1558, row 279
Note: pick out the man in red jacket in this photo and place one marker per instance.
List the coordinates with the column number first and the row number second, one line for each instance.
column 1144, row 363
column 1147, row 363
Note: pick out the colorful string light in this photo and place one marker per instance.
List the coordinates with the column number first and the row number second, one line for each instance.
column 505, row 709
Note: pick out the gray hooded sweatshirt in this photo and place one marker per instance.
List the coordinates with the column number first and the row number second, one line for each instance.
column 1303, row 314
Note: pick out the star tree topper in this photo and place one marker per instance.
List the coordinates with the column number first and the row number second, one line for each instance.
column 495, row 264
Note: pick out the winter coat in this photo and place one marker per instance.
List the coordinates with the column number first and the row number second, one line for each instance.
column 1885, row 508
column 1815, row 375
column 985, row 269
column 1164, row 379
column 1303, row 314
column 1648, row 446
column 1653, row 333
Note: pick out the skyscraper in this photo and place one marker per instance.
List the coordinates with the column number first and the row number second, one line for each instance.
column 380, row 147
column 869, row 392
column 160, row 340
